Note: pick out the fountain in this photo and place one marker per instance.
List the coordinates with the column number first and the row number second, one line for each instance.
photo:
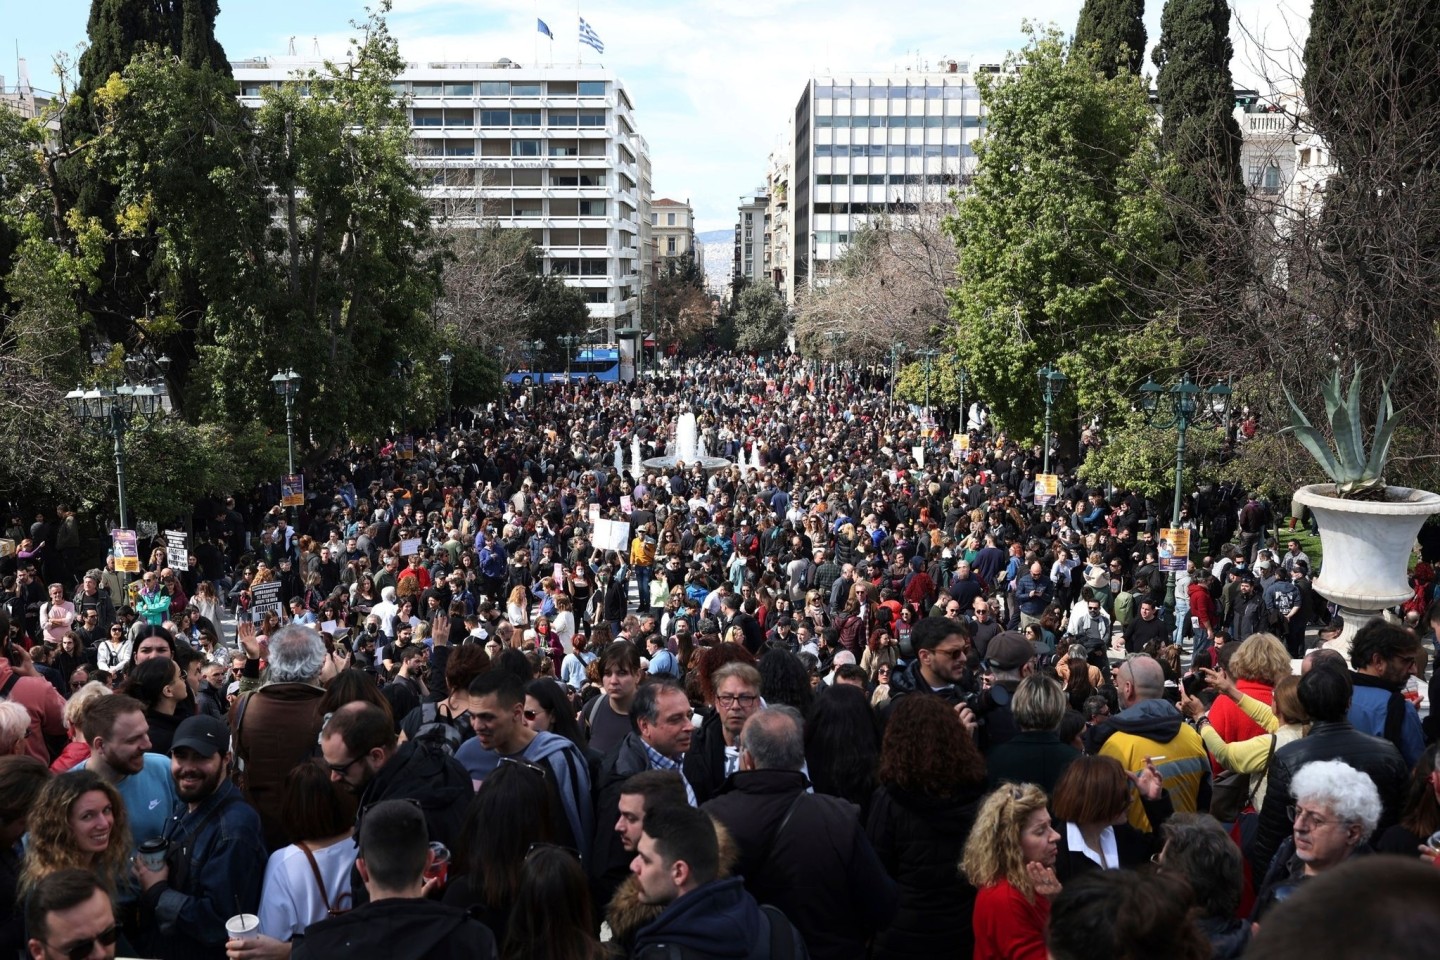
column 688, row 449
column 636, row 470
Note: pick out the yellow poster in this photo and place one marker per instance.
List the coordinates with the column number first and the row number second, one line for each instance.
column 1174, row 549
column 1047, row 488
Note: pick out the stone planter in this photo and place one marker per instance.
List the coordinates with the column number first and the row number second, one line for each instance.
column 1367, row 548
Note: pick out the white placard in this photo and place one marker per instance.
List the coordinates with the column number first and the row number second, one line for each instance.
column 612, row 535
column 407, row 547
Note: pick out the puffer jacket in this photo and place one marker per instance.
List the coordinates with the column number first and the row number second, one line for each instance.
column 1336, row 740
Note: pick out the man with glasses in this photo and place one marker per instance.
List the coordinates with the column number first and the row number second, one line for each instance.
column 1336, row 809
column 715, row 753
column 90, row 598
column 942, row 649
column 1383, row 657
column 70, row 916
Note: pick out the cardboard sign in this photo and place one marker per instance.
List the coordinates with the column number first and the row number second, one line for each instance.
column 918, row 454
column 177, row 551
column 264, row 598
column 292, row 491
column 1047, row 488
column 612, row 535
column 593, row 513
column 409, row 546
column 126, row 550
column 962, row 442
column 1174, row 549
column 627, row 506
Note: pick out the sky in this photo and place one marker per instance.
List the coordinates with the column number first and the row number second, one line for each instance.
column 713, row 81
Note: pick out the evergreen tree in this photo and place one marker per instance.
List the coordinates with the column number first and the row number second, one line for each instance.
column 1198, row 130
column 1118, row 28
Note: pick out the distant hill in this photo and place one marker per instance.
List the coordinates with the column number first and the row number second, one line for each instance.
column 719, row 247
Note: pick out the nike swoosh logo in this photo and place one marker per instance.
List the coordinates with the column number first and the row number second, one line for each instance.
column 154, row 804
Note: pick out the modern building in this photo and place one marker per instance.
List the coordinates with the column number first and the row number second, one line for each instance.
column 875, row 145
column 752, row 234
column 778, row 225
column 551, row 150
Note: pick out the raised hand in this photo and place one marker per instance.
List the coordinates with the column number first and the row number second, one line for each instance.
column 1042, row 879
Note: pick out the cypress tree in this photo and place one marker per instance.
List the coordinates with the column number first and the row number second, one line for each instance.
column 1119, row 30
column 1197, row 102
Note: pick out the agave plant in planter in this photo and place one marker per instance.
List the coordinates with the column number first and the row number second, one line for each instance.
column 1367, row 529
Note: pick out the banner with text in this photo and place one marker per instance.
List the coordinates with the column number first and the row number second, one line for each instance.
column 126, row 550
column 1047, row 488
column 1174, row 549
column 177, row 550
column 264, row 598
column 292, row 490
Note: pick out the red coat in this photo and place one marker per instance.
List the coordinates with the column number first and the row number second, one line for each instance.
column 1202, row 605
column 1228, row 720
column 1009, row 927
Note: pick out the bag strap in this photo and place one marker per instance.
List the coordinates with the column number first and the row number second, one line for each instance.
column 1256, row 781
column 10, row 682
column 782, row 940
column 319, row 878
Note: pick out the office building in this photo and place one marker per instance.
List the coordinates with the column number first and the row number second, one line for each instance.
column 751, row 240
column 551, row 150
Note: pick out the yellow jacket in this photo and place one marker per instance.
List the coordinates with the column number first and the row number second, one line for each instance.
column 1153, row 728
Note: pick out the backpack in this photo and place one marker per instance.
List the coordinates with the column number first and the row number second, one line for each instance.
column 783, row 943
column 442, row 730
column 331, row 909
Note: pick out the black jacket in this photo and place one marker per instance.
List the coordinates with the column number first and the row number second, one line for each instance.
column 398, row 930
column 718, row 920
column 1133, row 847
column 705, row 761
column 1326, row 741
column 609, row 863
column 919, row 840
column 905, row 682
column 1031, row 756
column 820, row 869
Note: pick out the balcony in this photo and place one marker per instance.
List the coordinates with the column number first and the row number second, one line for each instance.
column 1267, row 125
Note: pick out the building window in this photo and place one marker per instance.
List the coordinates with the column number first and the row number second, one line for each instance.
column 527, row 89
column 525, row 148
column 1272, row 179
column 495, row 88
column 526, row 118
column 592, row 88
column 563, row 119
column 426, row 89
column 459, row 89
column 592, row 208
column 592, row 118
column 654, row 219
column 670, row 245
column 669, row 219
column 494, row 118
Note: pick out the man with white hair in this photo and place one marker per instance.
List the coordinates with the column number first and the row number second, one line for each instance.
column 277, row 726
column 1336, row 808
column 387, row 610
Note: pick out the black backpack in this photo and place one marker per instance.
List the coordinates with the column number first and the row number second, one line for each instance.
column 443, row 730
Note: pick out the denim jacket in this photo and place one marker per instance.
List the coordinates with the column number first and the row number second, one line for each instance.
column 226, row 866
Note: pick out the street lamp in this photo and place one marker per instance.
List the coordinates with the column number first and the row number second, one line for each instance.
column 447, row 359
column 962, row 378
column 570, row 341
column 895, row 351
column 1185, row 409
column 118, row 409
column 1052, row 384
column 928, row 354
column 287, row 385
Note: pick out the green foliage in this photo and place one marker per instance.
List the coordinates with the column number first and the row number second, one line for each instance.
column 1353, row 472
column 1113, row 32
column 760, row 319
column 1060, row 230
column 1141, row 458
column 944, row 384
column 1199, row 130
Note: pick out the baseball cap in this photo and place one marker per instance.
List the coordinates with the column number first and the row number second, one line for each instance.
column 1009, row 651
column 205, row 735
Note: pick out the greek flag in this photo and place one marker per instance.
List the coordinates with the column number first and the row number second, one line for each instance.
column 544, row 28
column 590, row 38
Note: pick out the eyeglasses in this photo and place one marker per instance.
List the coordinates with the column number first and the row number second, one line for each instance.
column 731, row 699
column 1298, row 814
column 81, row 949
column 536, row 767
column 954, row 653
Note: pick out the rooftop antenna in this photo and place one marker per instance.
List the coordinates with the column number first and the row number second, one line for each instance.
column 290, row 48
column 22, row 80
column 315, row 42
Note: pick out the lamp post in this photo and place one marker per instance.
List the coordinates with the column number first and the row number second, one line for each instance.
column 287, row 386
column 962, row 378
column 116, row 410
column 447, row 360
column 569, row 341
column 895, row 351
column 1052, row 385
column 1184, row 410
column 928, row 354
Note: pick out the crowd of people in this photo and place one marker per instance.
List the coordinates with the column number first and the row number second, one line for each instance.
column 857, row 693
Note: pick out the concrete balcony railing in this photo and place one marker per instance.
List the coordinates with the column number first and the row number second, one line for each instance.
column 1267, row 124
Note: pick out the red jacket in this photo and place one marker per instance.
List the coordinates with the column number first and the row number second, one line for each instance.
column 1228, row 720
column 1202, row 605
column 1009, row 927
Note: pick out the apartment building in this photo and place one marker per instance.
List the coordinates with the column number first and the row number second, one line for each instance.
column 551, row 150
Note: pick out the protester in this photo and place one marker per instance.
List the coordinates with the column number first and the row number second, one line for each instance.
column 1010, row 859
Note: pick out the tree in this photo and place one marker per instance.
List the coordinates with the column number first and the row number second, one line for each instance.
column 1116, row 29
column 760, row 319
column 888, row 286
column 1199, row 131
column 680, row 302
column 1057, row 238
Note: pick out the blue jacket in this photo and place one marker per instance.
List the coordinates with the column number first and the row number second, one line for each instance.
column 1380, row 710
column 226, row 865
column 718, row 920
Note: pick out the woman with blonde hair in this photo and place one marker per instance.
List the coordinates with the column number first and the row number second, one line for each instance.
column 517, row 607
column 78, row 749
column 1010, row 858
column 78, row 820
column 1257, row 665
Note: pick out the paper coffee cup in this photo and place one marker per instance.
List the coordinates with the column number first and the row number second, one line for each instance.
column 243, row 926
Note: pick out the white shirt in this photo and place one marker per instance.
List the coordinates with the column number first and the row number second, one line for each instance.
column 290, row 899
column 1076, row 842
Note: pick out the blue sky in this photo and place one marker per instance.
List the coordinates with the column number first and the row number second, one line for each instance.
column 713, row 82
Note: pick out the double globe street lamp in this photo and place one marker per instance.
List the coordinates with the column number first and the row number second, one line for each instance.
column 287, row 386
column 1052, row 385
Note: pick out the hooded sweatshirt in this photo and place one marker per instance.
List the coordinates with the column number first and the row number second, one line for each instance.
column 398, row 930
column 718, row 920
column 1154, row 728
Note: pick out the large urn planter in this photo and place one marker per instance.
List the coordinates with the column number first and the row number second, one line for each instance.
column 1367, row 545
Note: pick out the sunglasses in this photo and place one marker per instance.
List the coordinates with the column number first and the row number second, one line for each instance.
column 81, row 949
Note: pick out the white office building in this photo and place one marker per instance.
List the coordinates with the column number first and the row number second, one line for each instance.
column 552, row 150
column 868, row 145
